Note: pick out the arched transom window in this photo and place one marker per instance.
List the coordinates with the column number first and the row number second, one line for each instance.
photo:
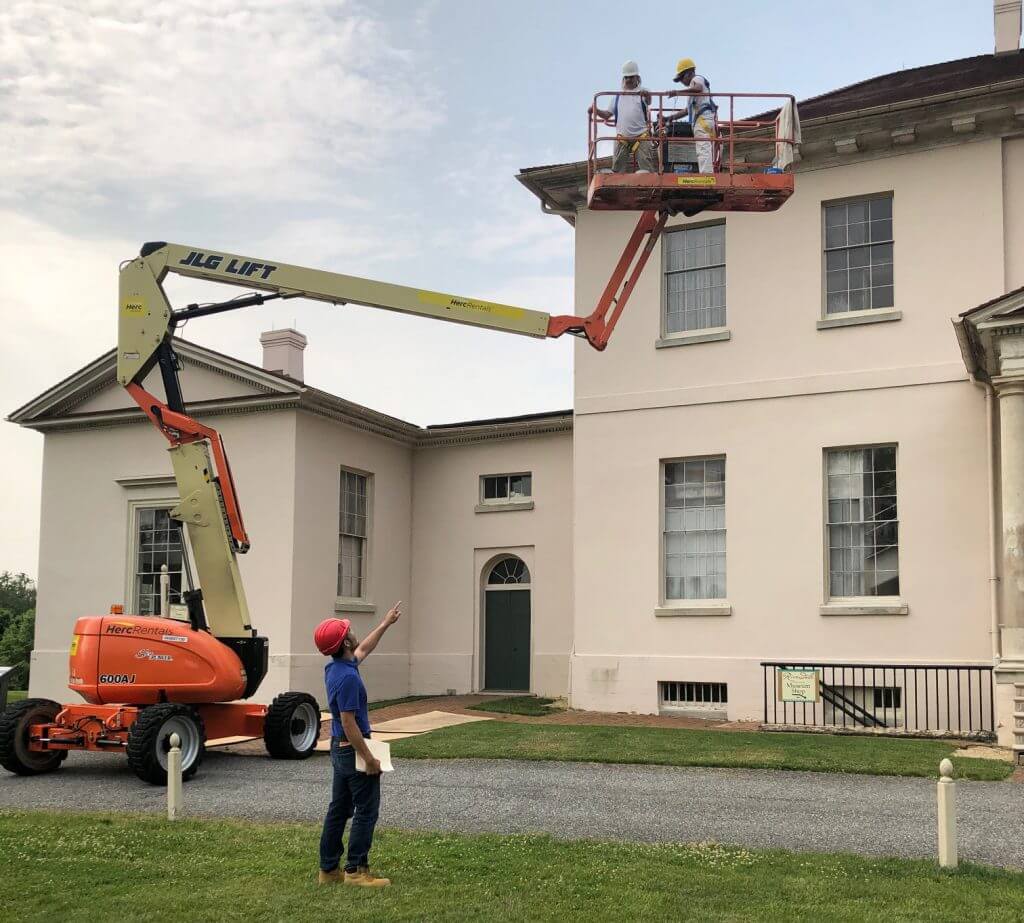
column 509, row 570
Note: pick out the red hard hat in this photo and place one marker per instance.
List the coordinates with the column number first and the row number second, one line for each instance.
column 329, row 634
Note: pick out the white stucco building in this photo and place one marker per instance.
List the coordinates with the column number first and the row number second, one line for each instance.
column 788, row 453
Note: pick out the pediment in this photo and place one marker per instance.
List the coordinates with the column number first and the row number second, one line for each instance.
column 206, row 376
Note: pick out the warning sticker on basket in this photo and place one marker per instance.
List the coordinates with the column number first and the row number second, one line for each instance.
column 704, row 179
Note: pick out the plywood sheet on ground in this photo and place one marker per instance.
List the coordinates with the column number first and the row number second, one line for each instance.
column 428, row 721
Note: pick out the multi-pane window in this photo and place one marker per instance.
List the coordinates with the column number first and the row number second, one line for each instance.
column 694, row 529
column 694, row 278
column 863, row 526
column 158, row 541
column 858, row 255
column 506, row 488
column 352, row 535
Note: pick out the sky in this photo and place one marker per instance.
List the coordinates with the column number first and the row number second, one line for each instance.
column 375, row 139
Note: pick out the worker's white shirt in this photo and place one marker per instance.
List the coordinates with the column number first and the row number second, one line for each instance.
column 698, row 87
column 630, row 120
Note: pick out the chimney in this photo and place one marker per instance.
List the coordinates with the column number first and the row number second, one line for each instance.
column 282, row 352
column 1007, row 25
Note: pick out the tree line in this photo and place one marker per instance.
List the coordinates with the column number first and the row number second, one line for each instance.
column 17, row 625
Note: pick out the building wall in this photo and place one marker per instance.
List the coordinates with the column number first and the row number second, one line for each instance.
column 323, row 448
column 1013, row 212
column 86, row 525
column 771, row 399
column 454, row 548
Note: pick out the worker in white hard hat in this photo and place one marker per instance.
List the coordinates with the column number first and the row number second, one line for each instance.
column 630, row 116
column 701, row 112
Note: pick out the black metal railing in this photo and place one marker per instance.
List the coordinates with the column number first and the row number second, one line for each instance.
column 955, row 699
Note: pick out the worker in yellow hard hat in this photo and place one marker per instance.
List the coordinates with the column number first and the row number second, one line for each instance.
column 630, row 114
column 701, row 112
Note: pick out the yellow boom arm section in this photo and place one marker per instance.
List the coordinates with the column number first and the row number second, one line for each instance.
column 146, row 317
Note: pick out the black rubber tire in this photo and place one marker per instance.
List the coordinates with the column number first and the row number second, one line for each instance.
column 147, row 739
column 278, row 729
column 15, row 721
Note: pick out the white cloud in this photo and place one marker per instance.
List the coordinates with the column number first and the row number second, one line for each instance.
column 267, row 129
column 197, row 98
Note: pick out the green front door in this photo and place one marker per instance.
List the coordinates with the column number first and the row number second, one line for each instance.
column 507, row 640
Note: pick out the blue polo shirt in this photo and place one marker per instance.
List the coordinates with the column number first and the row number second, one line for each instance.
column 346, row 692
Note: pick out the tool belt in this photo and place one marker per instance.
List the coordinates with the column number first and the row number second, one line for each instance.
column 633, row 143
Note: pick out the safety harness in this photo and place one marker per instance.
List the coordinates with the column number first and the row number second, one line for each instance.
column 706, row 105
column 634, row 143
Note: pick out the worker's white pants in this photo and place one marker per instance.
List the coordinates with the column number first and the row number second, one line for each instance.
column 704, row 127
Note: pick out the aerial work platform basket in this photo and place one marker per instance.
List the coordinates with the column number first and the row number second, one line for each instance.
column 750, row 155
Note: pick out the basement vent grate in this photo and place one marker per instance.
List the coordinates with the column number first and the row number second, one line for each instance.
column 683, row 694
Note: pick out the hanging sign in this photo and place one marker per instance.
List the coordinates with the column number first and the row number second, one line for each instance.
column 798, row 684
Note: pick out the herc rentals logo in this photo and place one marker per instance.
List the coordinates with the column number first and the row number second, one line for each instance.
column 132, row 628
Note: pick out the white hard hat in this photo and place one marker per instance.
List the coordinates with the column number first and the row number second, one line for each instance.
column 629, row 69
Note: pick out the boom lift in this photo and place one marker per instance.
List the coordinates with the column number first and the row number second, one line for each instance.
column 144, row 678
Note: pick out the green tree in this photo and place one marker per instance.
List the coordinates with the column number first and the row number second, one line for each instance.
column 16, row 646
column 17, row 592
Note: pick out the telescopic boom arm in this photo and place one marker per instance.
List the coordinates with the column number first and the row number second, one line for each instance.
column 146, row 323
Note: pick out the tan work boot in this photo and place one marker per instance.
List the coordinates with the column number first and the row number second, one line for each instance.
column 364, row 879
column 329, row 878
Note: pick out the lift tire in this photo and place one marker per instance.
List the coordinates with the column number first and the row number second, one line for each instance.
column 149, row 740
column 292, row 726
column 15, row 721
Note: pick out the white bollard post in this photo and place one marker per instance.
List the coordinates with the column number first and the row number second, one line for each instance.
column 165, row 592
column 947, row 816
column 174, row 778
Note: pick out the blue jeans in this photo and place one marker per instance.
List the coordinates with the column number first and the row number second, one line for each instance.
column 356, row 795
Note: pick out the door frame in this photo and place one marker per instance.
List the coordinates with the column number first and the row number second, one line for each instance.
column 484, row 561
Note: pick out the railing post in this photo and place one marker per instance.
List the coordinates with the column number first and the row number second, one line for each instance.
column 165, row 592
column 946, row 804
column 174, row 778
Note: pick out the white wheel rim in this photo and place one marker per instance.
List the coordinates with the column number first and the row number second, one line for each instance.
column 186, row 729
column 304, row 727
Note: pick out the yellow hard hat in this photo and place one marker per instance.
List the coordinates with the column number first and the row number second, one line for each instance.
column 685, row 64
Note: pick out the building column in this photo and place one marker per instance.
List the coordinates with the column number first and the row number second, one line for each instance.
column 1010, row 668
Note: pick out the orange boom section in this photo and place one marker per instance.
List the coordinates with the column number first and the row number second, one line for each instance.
column 147, row 660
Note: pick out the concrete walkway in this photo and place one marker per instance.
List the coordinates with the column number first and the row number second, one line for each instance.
column 759, row 808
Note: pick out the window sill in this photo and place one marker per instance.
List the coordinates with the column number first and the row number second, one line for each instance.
column 353, row 605
column 892, row 606
column 708, row 335
column 503, row 507
column 856, row 318
column 695, row 608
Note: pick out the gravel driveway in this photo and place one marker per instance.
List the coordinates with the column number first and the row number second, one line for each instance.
column 871, row 815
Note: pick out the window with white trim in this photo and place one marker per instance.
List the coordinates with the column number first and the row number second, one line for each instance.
column 694, row 528
column 858, row 255
column 506, row 488
column 158, row 541
column 862, row 522
column 352, row 535
column 694, row 261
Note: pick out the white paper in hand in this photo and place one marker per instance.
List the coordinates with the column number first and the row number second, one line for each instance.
column 381, row 751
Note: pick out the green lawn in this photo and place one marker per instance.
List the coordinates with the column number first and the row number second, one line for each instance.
column 669, row 747
column 94, row 867
column 16, row 695
column 531, row 705
column 384, row 703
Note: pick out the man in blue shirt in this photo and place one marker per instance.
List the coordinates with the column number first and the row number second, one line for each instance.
column 354, row 794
